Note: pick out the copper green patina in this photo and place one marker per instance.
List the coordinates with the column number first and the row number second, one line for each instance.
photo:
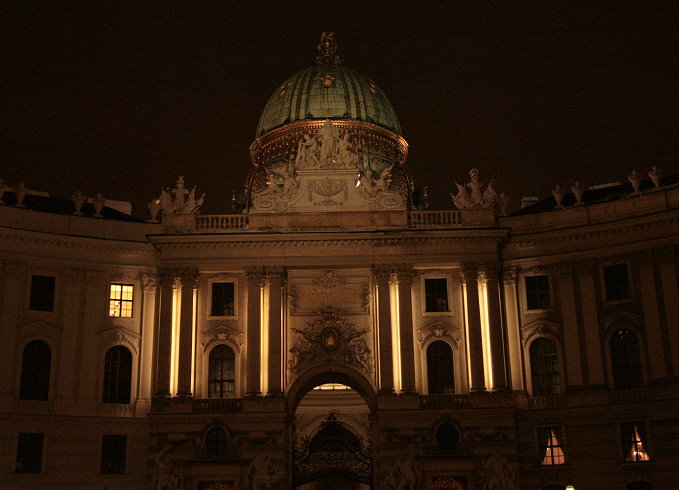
column 328, row 91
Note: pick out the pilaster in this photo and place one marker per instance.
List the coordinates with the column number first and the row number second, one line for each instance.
column 148, row 322
column 652, row 327
column 382, row 275
column 569, row 317
column 491, row 274
column 189, row 282
column 275, row 277
column 254, row 331
column 11, row 289
column 668, row 278
column 590, row 321
column 405, row 276
column 513, row 330
column 469, row 274
column 167, row 278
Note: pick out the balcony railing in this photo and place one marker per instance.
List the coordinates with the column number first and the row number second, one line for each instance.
column 217, row 405
column 434, row 219
column 221, row 222
column 445, row 401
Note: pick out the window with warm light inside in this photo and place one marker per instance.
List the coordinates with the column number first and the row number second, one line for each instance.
column 634, row 442
column 551, row 450
column 120, row 300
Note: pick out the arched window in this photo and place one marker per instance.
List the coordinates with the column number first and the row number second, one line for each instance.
column 440, row 368
column 544, row 367
column 222, row 373
column 117, row 375
column 447, row 437
column 216, row 442
column 35, row 371
column 626, row 360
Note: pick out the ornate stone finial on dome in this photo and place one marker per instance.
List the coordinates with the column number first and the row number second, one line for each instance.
column 327, row 49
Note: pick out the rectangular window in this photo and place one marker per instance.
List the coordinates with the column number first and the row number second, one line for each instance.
column 436, row 295
column 223, row 296
column 634, row 442
column 29, row 452
column 113, row 449
column 120, row 300
column 551, row 450
column 537, row 292
column 616, row 281
column 42, row 293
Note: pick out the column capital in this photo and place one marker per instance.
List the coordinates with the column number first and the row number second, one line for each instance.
column 11, row 266
column 149, row 281
column 382, row 274
column 564, row 269
column 584, row 267
column 405, row 274
column 255, row 275
column 74, row 273
column 469, row 272
column 509, row 275
column 188, row 277
column 490, row 271
column 167, row 276
column 665, row 254
column 642, row 259
column 276, row 274
column 94, row 276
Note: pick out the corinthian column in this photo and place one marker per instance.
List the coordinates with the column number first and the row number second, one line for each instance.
column 469, row 274
column 254, row 334
column 405, row 277
column 148, row 316
column 497, row 345
column 275, row 277
column 189, row 279
column 164, row 351
column 382, row 276
column 513, row 331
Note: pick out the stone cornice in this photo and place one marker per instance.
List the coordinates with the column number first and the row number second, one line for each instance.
column 76, row 242
column 281, row 242
column 589, row 232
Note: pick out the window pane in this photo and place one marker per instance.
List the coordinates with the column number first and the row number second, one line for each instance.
column 626, row 360
column 436, row 294
column 29, row 452
column 617, row 282
column 117, row 375
column 222, row 373
column 551, row 451
column 121, row 300
column 634, row 442
column 42, row 293
column 537, row 292
column 222, row 299
column 35, row 371
column 113, row 449
column 440, row 375
column 544, row 364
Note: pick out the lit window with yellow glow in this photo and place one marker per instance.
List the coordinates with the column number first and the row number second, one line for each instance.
column 551, row 450
column 120, row 300
column 634, row 442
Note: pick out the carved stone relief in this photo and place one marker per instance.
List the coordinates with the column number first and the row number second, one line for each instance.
column 539, row 328
column 330, row 338
column 307, row 295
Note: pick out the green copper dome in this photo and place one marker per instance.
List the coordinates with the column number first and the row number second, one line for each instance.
column 328, row 91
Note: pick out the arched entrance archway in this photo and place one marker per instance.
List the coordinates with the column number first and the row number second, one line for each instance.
column 330, row 436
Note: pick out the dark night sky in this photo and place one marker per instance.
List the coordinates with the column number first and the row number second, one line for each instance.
column 122, row 97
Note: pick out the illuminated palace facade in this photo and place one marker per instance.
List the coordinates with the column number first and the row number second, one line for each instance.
column 337, row 334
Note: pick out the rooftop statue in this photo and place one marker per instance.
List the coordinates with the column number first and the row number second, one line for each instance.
column 177, row 201
column 328, row 137
column 477, row 195
column 327, row 49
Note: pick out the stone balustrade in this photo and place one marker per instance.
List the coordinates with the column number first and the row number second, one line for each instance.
column 221, row 222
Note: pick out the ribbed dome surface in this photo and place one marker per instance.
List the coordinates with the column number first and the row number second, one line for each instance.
column 328, row 91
